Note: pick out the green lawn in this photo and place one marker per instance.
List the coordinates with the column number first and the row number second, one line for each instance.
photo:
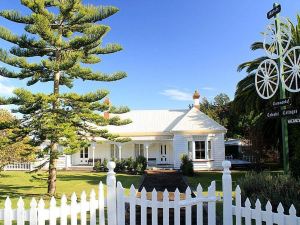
column 15, row 184
column 205, row 177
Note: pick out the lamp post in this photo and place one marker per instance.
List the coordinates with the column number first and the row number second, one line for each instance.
column 93, row 149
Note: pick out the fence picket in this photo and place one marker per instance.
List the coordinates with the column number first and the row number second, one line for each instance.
column 92, row 207
column 269, row 214
column 132, row 204
column 83, row 205
column 101, row 204
column 120, row 204
column 292, row 219
column 238, row 206
column 188, row 208
column 176, row 207
column 199, row 205
column 73, row 209
column 257, row 213
column 7, row 212
column 247, row 212
column 143, row 207
column 52, row 211
column 33, row 212
column 154, row 207
column 280, row 215
column 212, row 204
column 166, row 207
column 63, row 210
column 41, row 212
column 20, row 212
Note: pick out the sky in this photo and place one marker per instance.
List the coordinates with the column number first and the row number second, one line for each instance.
column 171, row 48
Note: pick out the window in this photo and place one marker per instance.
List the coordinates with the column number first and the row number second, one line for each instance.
column 84, row 153
column 138, row 150
column 199, row 149
column 190, row 149
column 114, row 151
column 209, row 150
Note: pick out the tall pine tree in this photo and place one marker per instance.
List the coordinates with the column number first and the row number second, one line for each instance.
column 63, row 35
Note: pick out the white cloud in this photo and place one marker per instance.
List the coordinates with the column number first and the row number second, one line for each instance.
column 6, row 89
column 178, row 95
column 208, row 88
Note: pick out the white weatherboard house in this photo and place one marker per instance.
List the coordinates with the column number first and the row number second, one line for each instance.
column 163, row 136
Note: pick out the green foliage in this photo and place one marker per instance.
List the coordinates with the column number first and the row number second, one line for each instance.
column 140, row 164
column 64, row 38
column 129, row 165
column 274, row 188
column 13, row 149
column 186, row 166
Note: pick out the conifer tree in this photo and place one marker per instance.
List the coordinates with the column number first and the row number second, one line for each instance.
column 65, row 36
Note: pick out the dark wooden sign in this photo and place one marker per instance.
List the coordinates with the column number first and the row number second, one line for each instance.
column 273, row 12
column 289, row 112
column 282, row 113
column 273, row 115
column 282, row 102
column 294, row 121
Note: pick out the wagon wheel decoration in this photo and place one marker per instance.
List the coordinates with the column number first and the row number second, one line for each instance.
column 291, row 70
column 273, row 38
column 267, row 79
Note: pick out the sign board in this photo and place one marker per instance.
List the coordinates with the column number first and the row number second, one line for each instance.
column 294, row 121
column 289, row 112
column 282, row 102
column 282, row 113
column 273, row 12
column 273, row 115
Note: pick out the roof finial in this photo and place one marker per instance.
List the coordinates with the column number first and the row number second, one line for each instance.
column 196, row 95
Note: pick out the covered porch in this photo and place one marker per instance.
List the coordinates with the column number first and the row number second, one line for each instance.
column 157, row 151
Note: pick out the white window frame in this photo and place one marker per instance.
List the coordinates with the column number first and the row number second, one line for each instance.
column 206, row 139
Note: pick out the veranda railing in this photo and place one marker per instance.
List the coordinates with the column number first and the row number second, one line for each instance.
column 117, row 208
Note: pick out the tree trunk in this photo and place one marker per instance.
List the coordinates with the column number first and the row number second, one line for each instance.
column 52, row 170
column 54, row 146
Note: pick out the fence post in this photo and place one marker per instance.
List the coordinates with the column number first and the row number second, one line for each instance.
column 111, row 194
column 227, row 193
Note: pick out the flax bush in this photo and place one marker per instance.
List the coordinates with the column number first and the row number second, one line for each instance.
column 275, row 188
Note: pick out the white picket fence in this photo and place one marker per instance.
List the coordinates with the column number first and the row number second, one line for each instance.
column 27, row 166
column 116, row 208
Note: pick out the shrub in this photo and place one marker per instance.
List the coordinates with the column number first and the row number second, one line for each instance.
column 140, row 164
column 120, row 165
column 97, row 166
column 274, row 188
column 187, row 166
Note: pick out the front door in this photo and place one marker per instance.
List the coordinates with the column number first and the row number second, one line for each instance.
column 163, row 159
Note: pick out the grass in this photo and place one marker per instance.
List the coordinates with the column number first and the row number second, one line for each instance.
column 16, row 183
column 206, row 177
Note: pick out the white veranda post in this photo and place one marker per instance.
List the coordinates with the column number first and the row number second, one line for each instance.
column 120, row 151
column 147, row 151
column 93, row 152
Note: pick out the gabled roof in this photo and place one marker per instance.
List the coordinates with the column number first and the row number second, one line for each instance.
column 165, row 122
column 197, row 121
column 149, row 121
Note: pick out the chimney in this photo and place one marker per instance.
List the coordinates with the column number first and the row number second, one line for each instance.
column 106, row 113
column 196, row 97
